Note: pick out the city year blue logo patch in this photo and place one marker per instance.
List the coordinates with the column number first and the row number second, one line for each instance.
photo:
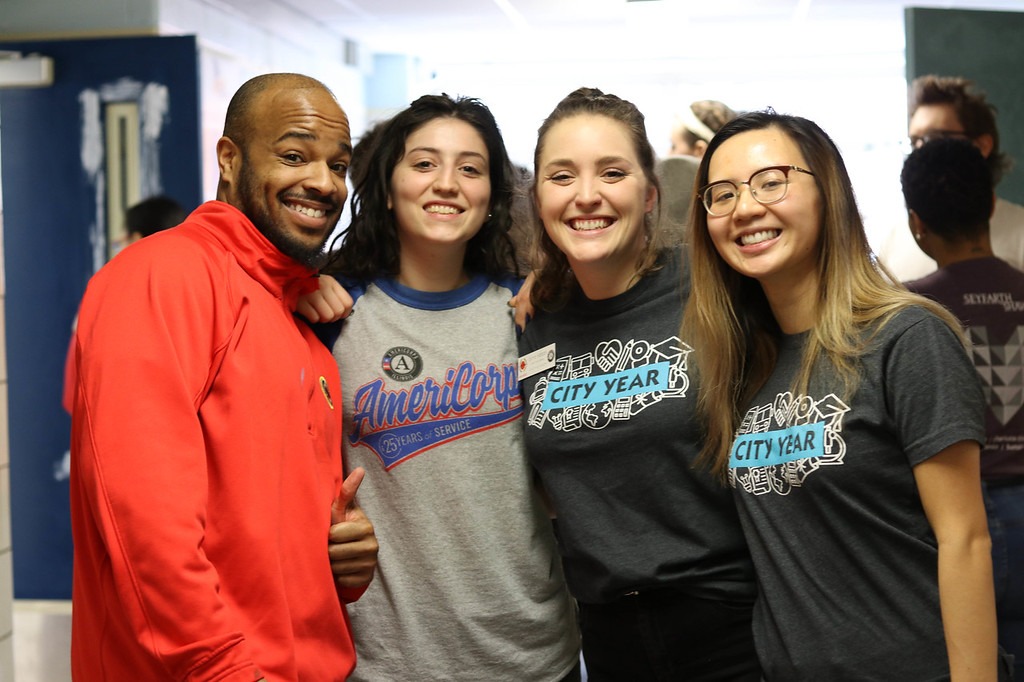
column 769, row 448
column 607, row 387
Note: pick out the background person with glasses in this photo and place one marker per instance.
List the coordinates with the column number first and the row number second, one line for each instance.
column 943, row 106
column 853, row 459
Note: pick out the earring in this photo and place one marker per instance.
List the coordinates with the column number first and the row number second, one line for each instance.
column 917, row 236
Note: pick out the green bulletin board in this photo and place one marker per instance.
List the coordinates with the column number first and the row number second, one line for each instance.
column 988, row 48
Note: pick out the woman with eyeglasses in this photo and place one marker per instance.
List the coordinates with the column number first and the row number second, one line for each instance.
column 651, row 546
column 845, row 415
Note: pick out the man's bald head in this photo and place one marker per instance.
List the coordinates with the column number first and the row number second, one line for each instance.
column 244, row 109
column 283, row 158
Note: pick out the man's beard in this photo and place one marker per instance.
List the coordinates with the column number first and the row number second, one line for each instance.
column 310, row 256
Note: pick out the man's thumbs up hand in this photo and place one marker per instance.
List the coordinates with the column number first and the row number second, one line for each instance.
column 352, row 545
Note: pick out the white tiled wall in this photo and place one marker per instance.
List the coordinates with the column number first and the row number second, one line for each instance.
column 6, row 570
column 40, row 632
column 42, row 641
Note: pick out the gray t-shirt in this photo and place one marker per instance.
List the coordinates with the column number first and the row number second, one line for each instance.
column 845, row 557
column 469, row 585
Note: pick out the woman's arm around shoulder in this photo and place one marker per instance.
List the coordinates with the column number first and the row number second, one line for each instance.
column 330, row 303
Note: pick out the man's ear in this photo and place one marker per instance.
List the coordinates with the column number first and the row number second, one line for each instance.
column 917, row 226
column 984, row 143
column 229, row 160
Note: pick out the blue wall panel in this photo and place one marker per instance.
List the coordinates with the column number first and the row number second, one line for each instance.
column 50, row 196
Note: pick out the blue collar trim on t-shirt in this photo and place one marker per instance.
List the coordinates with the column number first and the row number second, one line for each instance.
column 423, row 300
column 435, row 300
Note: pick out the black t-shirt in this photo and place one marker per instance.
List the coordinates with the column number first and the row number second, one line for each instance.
column 987, row 295
column 612, row 430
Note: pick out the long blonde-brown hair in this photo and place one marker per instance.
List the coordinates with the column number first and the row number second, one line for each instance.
column 729, row 322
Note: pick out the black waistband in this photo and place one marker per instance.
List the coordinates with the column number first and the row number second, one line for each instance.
column 667, row 593
column 1004, row 482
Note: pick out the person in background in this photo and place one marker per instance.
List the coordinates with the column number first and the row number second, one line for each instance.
column 676, row 175
column 947, row 186
column 694, row 128
column 521, row 233
column 469, row 586
column 652, row 547
column 676, row 172
column 206, row 474
column 152, row 215
column 362, row 152
column 944, row 106
column 147, row 217
column 844, row 413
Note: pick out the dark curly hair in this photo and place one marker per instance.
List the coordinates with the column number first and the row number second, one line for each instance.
column 370, row 247
column 948, row 184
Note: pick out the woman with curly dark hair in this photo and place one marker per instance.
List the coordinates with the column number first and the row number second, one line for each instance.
column 469, row 585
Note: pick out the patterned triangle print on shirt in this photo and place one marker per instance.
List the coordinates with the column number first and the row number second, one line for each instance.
column 1001, row 368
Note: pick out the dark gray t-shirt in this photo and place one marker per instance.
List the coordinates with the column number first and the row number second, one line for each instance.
column 845, row 557
column 612, row 431
column 987, row 295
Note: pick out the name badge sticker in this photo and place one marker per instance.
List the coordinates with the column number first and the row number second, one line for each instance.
column 536, row 362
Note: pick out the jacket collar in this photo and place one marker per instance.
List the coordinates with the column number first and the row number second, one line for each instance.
column 282, row 276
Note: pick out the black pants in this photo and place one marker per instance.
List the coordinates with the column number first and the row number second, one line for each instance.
column 664, row 636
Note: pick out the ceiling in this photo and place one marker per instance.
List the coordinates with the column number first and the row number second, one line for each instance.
column 840, row 63
column 463, row 31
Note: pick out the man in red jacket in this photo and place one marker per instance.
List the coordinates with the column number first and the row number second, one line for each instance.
column 206, row 440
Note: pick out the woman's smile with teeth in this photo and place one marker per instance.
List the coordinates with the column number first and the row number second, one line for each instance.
column 758, row 237
column 584, row 225
column 443, row 210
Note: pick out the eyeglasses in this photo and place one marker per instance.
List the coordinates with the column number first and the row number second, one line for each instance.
column 934, row 134
column 767, row 186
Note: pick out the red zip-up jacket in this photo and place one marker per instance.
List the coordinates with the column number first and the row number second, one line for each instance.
column 206, row 452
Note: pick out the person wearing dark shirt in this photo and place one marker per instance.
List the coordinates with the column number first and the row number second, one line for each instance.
column 947, row 186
